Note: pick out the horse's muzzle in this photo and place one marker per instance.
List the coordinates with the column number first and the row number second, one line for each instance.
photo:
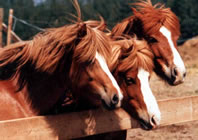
column 177, row 76
column 114, row 103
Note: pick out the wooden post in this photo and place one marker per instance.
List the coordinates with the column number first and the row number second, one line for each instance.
column 9, row 26
column 1, row 27
column 14, row 36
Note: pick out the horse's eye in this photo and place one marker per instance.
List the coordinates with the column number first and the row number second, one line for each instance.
column 88, row 63
column 130, row 81
column 152, row 40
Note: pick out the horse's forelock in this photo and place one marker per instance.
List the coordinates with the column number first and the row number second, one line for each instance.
column 155, row 16
column 139, row 56
column 94, row 40
column 152, row 18
column 118, row 46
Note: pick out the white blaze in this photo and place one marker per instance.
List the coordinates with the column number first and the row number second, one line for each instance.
column 149, row 99
column 105, row 68
column 177, row 60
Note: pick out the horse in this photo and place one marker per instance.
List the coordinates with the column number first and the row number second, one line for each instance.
column 34, row 74
column 132, row 66
column 160, row 27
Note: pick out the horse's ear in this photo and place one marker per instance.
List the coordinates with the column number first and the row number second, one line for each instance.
column 137, row 28
column 102, row 26
column 82, row 31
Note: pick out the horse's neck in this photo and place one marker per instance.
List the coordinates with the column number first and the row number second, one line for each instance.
column 44, row 92
column 13, row 105
column 36, row 98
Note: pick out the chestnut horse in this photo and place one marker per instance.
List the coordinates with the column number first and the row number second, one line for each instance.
column 34, row 74
column 160, row 27
column 132, row 65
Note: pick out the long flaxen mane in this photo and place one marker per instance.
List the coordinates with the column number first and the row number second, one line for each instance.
column 51, row 51
column 151, row 17
column 131, row 54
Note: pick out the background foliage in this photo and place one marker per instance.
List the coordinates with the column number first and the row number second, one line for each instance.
column 54, row 13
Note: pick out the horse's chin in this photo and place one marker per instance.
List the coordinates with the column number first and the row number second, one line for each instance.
column 169, row 80
column 165, row 74
column 97, row 103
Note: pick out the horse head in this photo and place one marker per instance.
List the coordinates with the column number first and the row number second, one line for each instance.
column 160, row 27
column 132, row 74
column 90, row 76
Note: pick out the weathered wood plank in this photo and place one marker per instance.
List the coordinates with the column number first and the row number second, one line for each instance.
column 178, row 110
column 91, row 122
column 14, row 36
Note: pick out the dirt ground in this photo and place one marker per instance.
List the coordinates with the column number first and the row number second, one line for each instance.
column 183, row 131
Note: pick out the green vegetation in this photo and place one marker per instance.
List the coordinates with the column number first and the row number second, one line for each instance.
column 54, row 13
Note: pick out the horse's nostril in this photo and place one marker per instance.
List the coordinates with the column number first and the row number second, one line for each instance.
column 184, row 75
column 152, row 121
column 174, row 72
column 115, row 99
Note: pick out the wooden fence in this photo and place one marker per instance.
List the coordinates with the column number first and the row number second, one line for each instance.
column 8, row 29
column 81, row 124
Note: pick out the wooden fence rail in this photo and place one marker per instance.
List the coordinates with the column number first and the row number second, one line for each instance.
column 80, row 124
column 13, row 35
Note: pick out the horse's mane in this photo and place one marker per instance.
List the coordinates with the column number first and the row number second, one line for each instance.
column 158, row 14
column 130, row 54
column 46, row 49
column 152, row 18
column 52, row 50
column 123, row 27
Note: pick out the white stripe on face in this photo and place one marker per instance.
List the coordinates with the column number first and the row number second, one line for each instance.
column 105, row 68
column 149, row 99
column 177, row 60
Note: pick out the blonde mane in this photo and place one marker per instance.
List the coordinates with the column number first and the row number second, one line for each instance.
column 123, row 27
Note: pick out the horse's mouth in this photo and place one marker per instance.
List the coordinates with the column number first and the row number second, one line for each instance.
column 108, row 107
column 145, row 125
